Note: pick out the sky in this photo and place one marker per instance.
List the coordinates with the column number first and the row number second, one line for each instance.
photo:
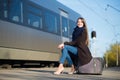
column 103, row 16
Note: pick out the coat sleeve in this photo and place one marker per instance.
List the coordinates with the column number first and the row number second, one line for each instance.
column 80, row 40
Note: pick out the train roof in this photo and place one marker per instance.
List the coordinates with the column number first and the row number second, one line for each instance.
column 56, row 6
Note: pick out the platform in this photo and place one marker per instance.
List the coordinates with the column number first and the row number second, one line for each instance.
column 47, row 74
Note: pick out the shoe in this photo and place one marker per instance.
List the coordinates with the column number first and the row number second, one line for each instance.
column 72, row 72
column 58, row 72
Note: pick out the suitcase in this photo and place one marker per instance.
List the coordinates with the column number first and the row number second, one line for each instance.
column 95, row 66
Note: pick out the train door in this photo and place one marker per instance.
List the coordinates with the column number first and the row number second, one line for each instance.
column 64, row 22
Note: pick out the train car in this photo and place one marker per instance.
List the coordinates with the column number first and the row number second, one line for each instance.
column 30, row 30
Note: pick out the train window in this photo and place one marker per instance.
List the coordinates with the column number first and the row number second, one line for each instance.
column 72, row 26
column 3, row 9
column 34, row 10
column 34, row 17
column 50, row 22
column 34, row 20
column 14, row 8
column 64, row 26
column 58, row 25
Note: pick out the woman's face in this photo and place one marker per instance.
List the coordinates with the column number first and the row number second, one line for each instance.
column 80, row 23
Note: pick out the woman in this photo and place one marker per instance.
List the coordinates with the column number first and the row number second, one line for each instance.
column 77, row 47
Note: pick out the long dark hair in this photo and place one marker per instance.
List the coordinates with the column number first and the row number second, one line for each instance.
column 85, row 26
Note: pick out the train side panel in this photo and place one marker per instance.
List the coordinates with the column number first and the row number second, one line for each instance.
column 25, row 40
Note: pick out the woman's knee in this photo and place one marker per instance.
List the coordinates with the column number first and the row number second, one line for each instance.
column 66, row 46
column 71, row 49
column 65, row 49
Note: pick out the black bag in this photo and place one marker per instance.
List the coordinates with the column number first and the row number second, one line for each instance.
column 95, row 66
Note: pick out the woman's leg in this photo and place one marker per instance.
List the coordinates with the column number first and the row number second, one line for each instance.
column 62, row 59
column 60, row 69
column 65, row 55
column 72, row 50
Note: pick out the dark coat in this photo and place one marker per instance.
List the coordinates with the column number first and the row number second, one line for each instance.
column 84, row 54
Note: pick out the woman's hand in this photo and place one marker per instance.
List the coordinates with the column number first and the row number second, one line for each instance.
column 61, row 46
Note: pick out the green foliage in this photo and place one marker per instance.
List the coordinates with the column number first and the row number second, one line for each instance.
column 111, row 55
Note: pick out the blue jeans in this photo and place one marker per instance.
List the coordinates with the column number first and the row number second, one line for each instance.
column 65, row 55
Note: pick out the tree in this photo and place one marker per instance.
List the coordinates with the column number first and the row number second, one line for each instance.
column 112, row 55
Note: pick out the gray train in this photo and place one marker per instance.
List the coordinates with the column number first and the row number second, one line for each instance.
column 30, row 31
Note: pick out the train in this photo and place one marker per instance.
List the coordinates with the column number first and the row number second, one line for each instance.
column 30, row 31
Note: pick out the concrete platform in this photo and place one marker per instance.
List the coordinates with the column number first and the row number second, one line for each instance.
column 47, row 74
